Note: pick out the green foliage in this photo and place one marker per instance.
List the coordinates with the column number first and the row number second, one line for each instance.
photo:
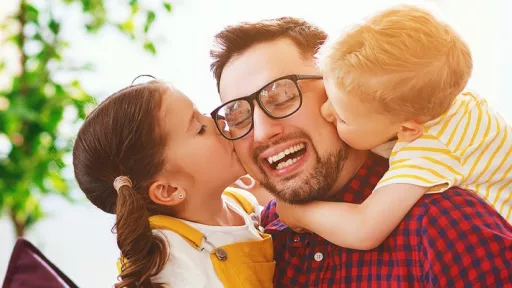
column 32, row 109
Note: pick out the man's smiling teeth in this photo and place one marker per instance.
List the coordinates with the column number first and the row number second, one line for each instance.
column 287, row 163
column 287, row 151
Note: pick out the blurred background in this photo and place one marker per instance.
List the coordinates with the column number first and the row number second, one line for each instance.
column 59, row 57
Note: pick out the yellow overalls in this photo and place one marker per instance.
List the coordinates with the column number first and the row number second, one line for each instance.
column 239, row 265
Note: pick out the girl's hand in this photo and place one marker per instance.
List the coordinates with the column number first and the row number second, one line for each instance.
column 247, row 183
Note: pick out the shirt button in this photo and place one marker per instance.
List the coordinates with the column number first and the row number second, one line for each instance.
column 296, row 238
column 319, row 256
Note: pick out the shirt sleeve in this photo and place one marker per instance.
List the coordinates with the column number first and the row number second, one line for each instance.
column 268, row 214
column 425, row 162
column 384, row 149
column 466, row 243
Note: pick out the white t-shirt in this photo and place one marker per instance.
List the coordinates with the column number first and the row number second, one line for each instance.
column 189, row 267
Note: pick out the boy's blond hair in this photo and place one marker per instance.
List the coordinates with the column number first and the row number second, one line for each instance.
column 403, row 59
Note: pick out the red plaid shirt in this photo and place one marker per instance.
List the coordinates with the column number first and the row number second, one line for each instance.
column 450, row 239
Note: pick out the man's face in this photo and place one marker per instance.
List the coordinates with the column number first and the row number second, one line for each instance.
column 313, row 174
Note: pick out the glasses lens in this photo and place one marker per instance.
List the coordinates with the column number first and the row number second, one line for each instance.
column 235, row 118
column 280, row 98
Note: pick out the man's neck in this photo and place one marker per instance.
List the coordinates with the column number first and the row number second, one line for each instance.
column 353, row 163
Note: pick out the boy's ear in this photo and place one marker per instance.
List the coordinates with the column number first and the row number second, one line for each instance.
column 410, row 131
column 167, row 194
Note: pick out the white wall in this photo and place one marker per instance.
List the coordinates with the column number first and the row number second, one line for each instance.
column 77, row 238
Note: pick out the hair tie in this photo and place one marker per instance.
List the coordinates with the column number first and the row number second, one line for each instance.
column 143, row 75
column 121, row 181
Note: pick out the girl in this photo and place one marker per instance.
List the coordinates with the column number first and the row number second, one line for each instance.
column 147, row 154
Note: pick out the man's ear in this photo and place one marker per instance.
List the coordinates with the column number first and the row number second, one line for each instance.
column 410, row 131
column 166, row 193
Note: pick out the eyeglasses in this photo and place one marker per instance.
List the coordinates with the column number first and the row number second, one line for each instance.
column 278, row 99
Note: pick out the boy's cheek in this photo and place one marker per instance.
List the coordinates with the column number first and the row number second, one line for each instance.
column 341, row 133
column 349, row 137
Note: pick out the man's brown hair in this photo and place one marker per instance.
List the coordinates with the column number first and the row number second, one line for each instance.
column 236, row 39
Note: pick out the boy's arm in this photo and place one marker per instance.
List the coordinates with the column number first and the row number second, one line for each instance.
column 356, row 226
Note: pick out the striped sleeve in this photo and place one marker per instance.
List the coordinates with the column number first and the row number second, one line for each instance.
column 425, row 162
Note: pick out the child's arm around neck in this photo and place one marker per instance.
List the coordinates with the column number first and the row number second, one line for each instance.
column 356, row 226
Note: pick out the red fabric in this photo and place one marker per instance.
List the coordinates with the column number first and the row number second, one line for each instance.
column 450, row 239
column 29, row 268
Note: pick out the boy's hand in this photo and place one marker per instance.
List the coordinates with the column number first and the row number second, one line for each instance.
column 291, row 215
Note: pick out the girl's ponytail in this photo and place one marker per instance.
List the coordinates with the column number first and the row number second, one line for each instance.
column 144, row 253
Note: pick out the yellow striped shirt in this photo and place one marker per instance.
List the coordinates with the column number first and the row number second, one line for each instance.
column 470, row 146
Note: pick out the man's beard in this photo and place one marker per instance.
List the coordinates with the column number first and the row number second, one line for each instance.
column 316, row 185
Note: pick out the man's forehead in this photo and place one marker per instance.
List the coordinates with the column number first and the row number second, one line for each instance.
column 257, row 66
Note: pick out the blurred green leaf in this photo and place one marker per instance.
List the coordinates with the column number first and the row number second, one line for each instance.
column 127, row 27
column 135, row 8
column 54, row 26
column 167, row 6
column 149, row 46
column 58, row 183
column 150, row 18
column 31, row 14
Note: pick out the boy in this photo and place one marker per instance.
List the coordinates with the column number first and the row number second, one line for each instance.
column 400, row 76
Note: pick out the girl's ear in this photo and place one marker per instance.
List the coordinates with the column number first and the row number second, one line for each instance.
column 167, row 194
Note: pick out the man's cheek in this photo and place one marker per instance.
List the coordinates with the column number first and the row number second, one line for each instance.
column 244, row 154
column 240, row 149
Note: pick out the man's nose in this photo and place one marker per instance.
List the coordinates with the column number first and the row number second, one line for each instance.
column 265, row 128
column 326, row 111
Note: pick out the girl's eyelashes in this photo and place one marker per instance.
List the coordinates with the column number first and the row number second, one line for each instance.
column 202, row 130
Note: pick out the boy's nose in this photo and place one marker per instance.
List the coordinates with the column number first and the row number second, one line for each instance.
column 326, row 111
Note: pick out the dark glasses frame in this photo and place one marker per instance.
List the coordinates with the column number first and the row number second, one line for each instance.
column 257, row 96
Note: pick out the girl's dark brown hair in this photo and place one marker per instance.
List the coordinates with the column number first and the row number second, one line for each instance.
column 123, row 137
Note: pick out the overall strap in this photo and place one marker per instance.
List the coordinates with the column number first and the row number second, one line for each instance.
column 190, row 234
column 240, row 199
